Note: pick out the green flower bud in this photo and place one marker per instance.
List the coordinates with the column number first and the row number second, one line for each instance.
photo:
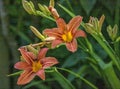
column 95, row 25
column 102, row 18
column 52, row 3
column 32, row 49
column 44, row 9
column 37, row 33
column 112, row 32
column 89, row 28
column 29, row 7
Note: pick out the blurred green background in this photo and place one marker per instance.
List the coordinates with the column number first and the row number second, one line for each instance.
column 15, row 32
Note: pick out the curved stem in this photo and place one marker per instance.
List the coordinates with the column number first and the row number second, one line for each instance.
column 43, row 15
column 63, row 80
column 83, row 79
column 111, row 49
column 68, row 2
column 16, row 73
column 108, row 49
column 66, row 10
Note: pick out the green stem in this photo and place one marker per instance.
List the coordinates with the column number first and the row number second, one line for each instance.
column 67, row 1
column 104, row 40
column 66, row 10
column 16, row 73
column 82, row 46
column 107, row 69
column 83, row 79
column 66, row 84
column 117, row 11
column 108, row 50
column 111, row 76
column 117, row 49
column 43, row 15
column 94, row 55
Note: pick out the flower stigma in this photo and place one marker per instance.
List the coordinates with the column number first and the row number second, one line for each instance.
column 67, row 37
column 36, row 66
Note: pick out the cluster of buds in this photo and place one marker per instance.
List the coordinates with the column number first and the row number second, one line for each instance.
column 112, row 32
column 29, row 7
column 94, row 25
column 43, row 11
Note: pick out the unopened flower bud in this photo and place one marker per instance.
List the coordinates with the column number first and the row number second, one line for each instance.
column 44, row 9
column 97, row 24
column 52, row 3
column 112, row 32
column 29, row 7
column 102, row 18
column 54, row 12
column 89, row 28
column 37, row 33
column 49, row 39
column 32, row 49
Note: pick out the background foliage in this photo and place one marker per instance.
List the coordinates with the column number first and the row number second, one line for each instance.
column 15, row 32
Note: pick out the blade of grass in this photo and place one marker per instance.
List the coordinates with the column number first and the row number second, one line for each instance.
column 66, row 84
column 66, row 10
column 77, row 75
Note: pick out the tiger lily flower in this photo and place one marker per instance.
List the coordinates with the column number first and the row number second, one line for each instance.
column 66, row 33
column 33, row 65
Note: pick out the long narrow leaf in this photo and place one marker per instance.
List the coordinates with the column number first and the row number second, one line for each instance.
column 62, row 80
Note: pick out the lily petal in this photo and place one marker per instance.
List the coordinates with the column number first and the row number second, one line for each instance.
column 25, row 77
column 55, row 32
column 61, row 24
column 74, row 23
column 79, row 33
column 56, row 42
column 21, row 65
column 41, row 74
column 49, row 61
column 33, row 57
column 26, row 56
column 42, row 53
column 72, row 46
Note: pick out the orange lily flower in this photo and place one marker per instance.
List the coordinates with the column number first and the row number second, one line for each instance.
column 33, row 65
column 66, row 33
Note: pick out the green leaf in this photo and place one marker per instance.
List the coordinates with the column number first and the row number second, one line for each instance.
column 21, row 34
column 100, row 51
column 66, row 10
column 111, row 76
column 118, row 39
column 88, row 5
column 66, row 84
column 59, row 53
column 39, row 84
column 74, row 59
column 80, row 77
column 82, row 71
column 109, row 4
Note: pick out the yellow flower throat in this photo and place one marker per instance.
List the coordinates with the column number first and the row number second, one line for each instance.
column 36, row 66
column 67, row 37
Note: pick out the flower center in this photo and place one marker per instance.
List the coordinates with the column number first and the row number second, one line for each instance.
column 36, row 66
column 67, row 37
